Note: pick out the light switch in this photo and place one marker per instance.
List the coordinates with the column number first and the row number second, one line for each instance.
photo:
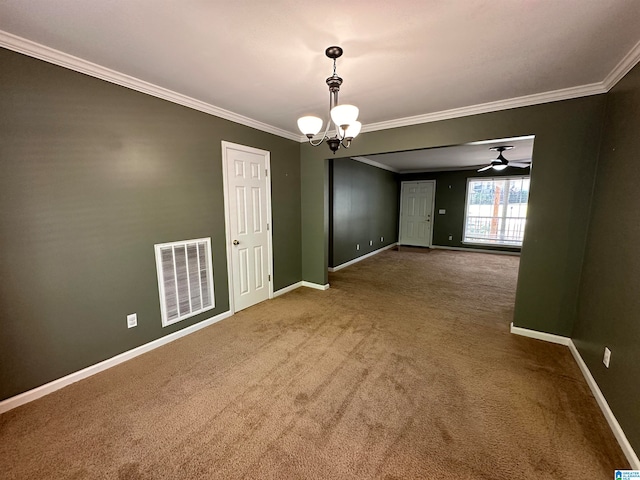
column 442, row 211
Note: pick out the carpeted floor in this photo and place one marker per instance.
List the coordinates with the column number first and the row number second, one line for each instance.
column 403, row 369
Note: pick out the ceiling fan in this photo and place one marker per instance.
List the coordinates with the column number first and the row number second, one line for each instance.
column 500, row 163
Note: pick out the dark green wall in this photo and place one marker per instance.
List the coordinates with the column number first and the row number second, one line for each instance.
column 314, row 186
column 567, row 141
column 93, row 175
column 451, row 195
column 609, row 300
column 364, row 207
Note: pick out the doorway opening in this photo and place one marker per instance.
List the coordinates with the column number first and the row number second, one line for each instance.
column 472, row 196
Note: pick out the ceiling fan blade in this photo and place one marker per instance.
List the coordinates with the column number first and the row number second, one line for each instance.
column 485, row 168
column 520, row 164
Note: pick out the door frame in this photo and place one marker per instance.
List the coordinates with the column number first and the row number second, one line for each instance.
column 433, row 207
column 227, row 222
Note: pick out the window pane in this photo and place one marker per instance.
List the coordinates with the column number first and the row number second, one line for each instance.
column 496, row 210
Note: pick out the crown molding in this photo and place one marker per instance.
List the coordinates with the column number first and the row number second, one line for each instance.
column 623, row 67
column 373, row 163
column 630, row 60
column 525, row 101
column 56, row 57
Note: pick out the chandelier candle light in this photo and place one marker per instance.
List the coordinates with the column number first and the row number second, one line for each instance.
column 344, row 116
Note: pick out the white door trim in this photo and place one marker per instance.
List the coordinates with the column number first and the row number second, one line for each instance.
column 433, row 206
column 227, row 222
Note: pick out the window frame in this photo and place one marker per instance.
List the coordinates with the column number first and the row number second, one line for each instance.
column 466, row 206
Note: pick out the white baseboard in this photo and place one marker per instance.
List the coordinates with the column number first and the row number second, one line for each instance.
column 597, row 393
column 293, row 286
column 288, row 289
column 547, row 337
column 359, row 259
column 479, row 250
column 316, row 286
column 604, row 406
column 41, row 391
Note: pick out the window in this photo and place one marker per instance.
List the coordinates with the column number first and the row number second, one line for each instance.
column 185, row 279
column 496, row 210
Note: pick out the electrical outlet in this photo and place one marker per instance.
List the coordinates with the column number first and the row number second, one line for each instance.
column 357, row 246
column 450, row 237
column 371, row 243
column 132, row 320
column 607, row 357
column 382, row 239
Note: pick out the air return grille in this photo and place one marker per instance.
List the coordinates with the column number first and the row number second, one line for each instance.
column 185, row 279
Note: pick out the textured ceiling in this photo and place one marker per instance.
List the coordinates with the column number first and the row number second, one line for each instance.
column 265, row 60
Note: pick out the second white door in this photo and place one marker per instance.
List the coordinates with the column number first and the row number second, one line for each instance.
column 416, row 211
column 247, row 199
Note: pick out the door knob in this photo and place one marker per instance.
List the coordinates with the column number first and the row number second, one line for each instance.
column 236, row 242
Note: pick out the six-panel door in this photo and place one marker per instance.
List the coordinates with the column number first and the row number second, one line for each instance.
column 247, row 187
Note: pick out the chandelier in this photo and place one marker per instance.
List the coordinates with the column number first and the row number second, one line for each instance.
column 344, row 116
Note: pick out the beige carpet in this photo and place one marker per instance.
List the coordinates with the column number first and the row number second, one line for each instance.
column 408, row 248
column 404, row 369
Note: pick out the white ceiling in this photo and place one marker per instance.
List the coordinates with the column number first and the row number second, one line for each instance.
column 265, row 61
column 457, row 157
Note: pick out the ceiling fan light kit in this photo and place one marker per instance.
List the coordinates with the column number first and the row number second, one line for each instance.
column 500, row 163
column 345, row 117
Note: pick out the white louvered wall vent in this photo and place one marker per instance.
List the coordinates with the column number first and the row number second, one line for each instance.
column 185, row 279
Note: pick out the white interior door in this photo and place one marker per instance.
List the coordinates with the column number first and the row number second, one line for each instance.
column 416, row 213
column 248, row 214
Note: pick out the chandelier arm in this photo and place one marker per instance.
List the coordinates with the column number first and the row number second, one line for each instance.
column 318, row 143
column 338, row 133
column 324, row 135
